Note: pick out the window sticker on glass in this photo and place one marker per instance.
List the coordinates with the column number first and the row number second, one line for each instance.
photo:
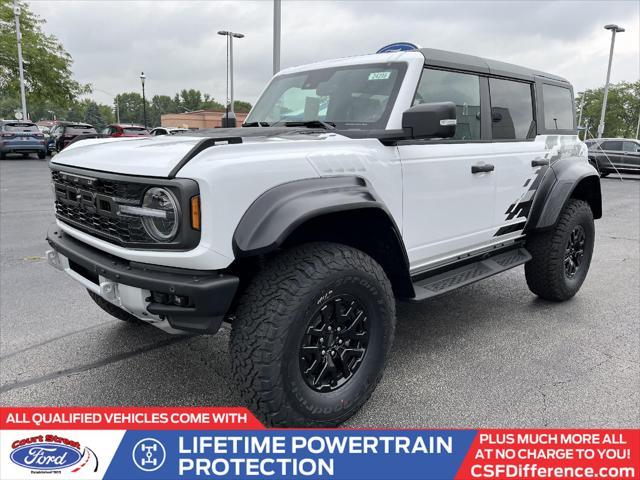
column 379, row 75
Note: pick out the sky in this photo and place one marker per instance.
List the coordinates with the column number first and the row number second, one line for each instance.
column 176, row 44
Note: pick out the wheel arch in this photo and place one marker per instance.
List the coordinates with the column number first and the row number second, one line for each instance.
column 342, row 209
column 569, row 179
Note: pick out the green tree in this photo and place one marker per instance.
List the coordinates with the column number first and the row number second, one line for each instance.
column 161, row 104
column 47, row 65
column 191, row 99
column 107, row 114
column 623, row 108
column 240, row 106
column 92, row 114
column 131, row 110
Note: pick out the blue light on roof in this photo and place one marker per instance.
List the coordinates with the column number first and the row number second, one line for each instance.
column 398, row 47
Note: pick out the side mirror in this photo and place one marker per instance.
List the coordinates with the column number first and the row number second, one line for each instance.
column 430, row 120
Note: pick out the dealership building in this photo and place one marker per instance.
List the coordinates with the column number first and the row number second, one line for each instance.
column 198, row 119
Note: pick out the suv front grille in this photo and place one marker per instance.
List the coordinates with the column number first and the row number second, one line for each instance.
column 123, row 190
column 90, row 201
column 129, row 230
column 91, row 206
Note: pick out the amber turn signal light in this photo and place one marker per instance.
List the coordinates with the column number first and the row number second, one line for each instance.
column 195, row 212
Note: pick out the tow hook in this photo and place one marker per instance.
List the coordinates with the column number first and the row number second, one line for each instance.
column 53, row 259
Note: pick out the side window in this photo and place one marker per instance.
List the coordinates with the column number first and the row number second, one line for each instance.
column 630, row 147
column 612, row 146
column 511, row 110
column 558, row 108
column 460, row 88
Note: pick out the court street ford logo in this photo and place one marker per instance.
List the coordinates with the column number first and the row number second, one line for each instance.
column 46, row 453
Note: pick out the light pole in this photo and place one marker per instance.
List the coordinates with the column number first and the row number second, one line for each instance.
column 23, row 98
column 230, row 117
column 614, row 29
column 276, row 35
column 115, row 102
column 144, row 100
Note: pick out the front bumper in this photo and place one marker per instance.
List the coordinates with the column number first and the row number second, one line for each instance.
column 146, row 291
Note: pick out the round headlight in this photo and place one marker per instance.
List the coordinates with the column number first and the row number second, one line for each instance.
column 163, row 226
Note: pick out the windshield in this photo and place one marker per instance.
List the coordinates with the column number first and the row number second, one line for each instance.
column 352, row 97
column 135, row 131
column 21, row 127
column 80, row 129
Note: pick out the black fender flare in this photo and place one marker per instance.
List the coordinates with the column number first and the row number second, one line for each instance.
column 560, row 184
column 279, row 211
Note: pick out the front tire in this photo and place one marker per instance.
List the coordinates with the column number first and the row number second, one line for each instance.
column 561, row 256
column 312, row 335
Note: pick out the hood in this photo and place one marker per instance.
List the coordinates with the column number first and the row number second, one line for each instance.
column 158, row 156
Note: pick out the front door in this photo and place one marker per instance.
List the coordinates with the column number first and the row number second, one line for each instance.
column 631, row 152
column 448, row 205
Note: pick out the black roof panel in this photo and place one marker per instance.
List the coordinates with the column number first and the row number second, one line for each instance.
column 461, row 61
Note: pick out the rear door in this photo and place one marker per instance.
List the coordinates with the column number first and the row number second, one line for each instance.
column 519, row 159
column 447, row 208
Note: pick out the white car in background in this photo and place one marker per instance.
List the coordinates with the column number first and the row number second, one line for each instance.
column 167, row 131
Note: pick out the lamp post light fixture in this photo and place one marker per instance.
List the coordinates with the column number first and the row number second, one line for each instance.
column 144, row 100
column 614, row 29
column 230, row 116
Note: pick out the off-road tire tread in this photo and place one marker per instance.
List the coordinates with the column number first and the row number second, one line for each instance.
column 547, row 251
column 265, row 312
column 114, row 310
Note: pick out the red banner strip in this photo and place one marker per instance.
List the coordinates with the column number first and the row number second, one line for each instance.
column 128, row 418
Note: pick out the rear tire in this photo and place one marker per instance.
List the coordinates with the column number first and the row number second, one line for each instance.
column 312, row 335
column 561, row 256
column 42, row 155
column 3, row 155
column 114, row 310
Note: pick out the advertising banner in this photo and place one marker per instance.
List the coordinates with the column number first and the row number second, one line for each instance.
column 179, row 442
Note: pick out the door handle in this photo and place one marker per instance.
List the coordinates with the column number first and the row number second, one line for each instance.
column 539, row 163
column 487, row 167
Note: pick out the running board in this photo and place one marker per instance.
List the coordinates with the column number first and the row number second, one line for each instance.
column 438, row 284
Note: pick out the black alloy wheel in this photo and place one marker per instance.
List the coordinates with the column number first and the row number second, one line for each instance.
column 334, row 344
column 312, row 334
column 574, row 253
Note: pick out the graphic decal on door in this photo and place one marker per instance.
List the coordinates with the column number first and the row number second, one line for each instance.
column 557, row 147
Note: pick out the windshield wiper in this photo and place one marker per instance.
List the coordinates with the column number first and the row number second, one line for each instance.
column 308, row 124
column 256, row 124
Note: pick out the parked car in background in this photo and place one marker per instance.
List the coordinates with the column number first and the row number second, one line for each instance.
column 64, row 133
column 125, row 130
column 608, row 155
column 20, row 136
column 167, row 131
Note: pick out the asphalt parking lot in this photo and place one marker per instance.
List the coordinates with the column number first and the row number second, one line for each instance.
column 488, row 355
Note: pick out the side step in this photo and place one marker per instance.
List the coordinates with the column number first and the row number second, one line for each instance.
column 440, row 283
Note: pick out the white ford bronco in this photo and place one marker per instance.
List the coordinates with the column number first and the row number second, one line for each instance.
column 352, row 183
